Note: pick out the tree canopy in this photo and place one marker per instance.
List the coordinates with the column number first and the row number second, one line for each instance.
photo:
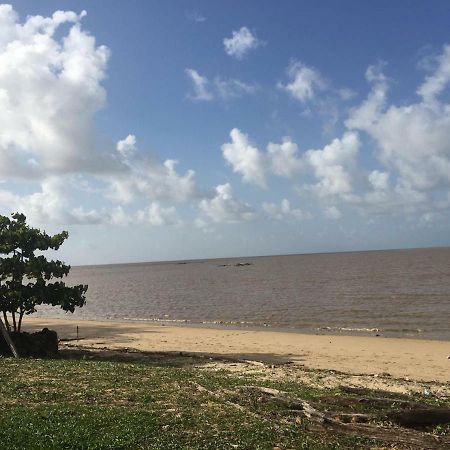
column 28, row 280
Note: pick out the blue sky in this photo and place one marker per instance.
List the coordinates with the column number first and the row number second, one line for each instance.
column 295, row 127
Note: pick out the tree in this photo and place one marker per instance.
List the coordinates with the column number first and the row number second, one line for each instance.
column 28, row 280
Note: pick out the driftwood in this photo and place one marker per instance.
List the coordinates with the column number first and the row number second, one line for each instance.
column 351, row 424
column 201, row 388
column 417, row 418
column 386, row 402
column 330, row 422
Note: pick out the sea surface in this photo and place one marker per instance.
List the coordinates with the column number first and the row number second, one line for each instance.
column 399, row 293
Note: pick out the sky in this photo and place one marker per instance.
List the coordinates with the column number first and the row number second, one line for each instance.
column 199, row 129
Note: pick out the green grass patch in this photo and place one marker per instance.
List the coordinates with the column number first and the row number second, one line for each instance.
column 90, row 404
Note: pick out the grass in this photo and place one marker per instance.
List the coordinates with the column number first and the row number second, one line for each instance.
column 91, row 404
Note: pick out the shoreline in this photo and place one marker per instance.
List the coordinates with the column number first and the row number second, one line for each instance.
column 409, row 359
column 416, row 334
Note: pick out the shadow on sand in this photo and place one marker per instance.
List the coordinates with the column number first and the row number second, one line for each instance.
column 106, row 347
column 68, row 330
column 168, row 359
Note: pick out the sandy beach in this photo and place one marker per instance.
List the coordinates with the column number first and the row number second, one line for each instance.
column 410, row 359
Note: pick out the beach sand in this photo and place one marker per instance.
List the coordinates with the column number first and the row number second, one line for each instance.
column 410, row 359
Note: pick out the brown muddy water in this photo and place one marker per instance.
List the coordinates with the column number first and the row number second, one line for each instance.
column 399, row 293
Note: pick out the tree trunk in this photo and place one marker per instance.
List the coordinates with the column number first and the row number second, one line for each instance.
column 8, row 339
column 19, row 327
column 5, row 318
column 14, row 320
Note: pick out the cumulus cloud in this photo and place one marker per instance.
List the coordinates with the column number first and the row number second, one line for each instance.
column 411, row 139
column 284, row 211
column 127, row 147
column 254, row 165
column 148, row 178
column 284, row 158
column 316, row 93
column 219, row 88
column 157, row 215
column 240, row 43
column 50, row 91
column 379, row 180
column 333, row 165
column 245, row 158
column 304, row 81
column 436, row 82
column 49, row 205
column 224, row 208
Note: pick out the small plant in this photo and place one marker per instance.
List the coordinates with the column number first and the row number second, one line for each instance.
column 27, row 279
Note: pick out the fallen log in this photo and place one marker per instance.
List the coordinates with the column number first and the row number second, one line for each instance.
column 328, row 422
column 418, row 418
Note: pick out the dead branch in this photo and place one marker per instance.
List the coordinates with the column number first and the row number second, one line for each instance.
column 417, row 418
column 241, row 408
column 328, row 422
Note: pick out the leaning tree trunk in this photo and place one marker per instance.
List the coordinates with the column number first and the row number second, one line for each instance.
column 8, row 339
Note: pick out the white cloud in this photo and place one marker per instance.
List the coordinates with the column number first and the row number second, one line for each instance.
column 379, row 180
column 333, row 165
column 397, row 200
column 316, row 94
column 222, row 89
column 224, row 208
column 284, row 158
column 411, row 139
column 333, row 213
column 156, row 215
column 254, row 165
column 120, row 217
column 127, row 147
column 240, row 43
column 435, row 83
column 201, row 86
column 50, row 204
column 304, row 81
column 284, row 211
column 231, row 88
column 148, row 178
column 49, row 92
column 245, row 158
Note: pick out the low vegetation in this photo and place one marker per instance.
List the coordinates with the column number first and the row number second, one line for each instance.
column 82, row 401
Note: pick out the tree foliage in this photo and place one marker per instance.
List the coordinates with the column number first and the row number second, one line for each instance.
column 28, row 280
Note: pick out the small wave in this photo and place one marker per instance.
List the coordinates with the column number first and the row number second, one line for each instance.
column 155, row 319
column 203, row 322
column 371, row 330
column 404, row 330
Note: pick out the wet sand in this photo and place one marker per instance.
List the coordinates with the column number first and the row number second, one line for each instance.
column 412, row 359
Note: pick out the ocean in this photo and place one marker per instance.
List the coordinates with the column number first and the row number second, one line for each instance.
column 395, row 293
